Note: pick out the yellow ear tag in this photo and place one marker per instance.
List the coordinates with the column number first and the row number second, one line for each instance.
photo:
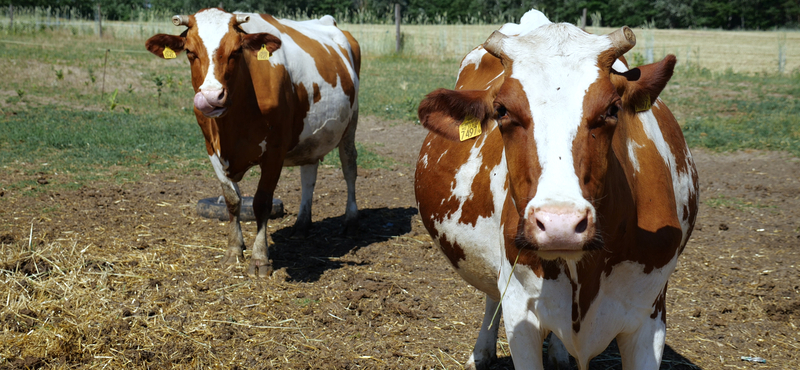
column 644, row 105
column 169, row 53
column 469, row 128
column 263, row 54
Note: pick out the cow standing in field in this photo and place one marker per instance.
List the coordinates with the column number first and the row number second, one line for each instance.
column 572, row 204
column 273, row 93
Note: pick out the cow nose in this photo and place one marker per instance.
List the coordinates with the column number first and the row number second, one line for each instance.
column 215, row 98
column 562, row 228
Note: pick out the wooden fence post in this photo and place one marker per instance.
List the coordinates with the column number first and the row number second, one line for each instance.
column 397, row 25
column 10, row 16
column 583, row 20
column 99, row 21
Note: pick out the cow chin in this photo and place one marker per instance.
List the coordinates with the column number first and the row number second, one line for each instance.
column 215, row 113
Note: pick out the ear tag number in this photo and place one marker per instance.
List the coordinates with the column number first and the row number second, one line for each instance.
column 469, row 128
column 169, row 53
column 263, row 54
column 644, row 104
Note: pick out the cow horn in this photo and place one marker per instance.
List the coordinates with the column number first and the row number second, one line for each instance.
column 494, row 44
column 622, row 40
column 242, row 18
column 180, row 20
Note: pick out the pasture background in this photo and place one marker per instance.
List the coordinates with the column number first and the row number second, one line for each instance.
column 104, row 262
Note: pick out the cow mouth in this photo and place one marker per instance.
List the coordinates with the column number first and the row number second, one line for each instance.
column 214, row 113
column 567, row 255
column 211, row 109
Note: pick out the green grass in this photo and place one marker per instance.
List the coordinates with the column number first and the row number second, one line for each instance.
column 366, row 159
column 392, row 86
column 728, row 111
column 732, row 203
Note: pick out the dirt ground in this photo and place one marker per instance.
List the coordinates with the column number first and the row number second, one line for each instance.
column 128, row 276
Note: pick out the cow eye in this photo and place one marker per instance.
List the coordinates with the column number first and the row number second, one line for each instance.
column 501, row 111
column 612, row 111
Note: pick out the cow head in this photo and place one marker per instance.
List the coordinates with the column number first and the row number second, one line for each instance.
column 557, row 111
column 214, row 44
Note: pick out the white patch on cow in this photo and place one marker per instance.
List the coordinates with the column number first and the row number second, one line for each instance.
column 569, row 56
column 481, row 243
column 632, row 147
column 465, row 175
column 472, row 59
column 212, row 25
column 531, row 20
column 263, row 146
column 221, row 169
column 424, row 160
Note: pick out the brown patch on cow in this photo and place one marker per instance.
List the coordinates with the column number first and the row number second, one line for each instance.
column 317, row 96
column 330, row 66
column 592, row 142
column 356, row 50
column 452, row 251
column 519, row 142
column 660, row 305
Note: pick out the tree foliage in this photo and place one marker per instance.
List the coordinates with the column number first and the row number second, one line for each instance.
column 723, row 14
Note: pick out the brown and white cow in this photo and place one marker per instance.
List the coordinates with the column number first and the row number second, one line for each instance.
column 288, row 106
column 573, row 204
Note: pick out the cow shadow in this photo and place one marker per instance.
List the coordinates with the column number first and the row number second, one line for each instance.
column 610, row 360
column 307, row 259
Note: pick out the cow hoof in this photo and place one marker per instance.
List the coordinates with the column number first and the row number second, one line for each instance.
column 300, row 231
column 260, row 268
column 350, row 229
column 482, row 364
column 233, row 256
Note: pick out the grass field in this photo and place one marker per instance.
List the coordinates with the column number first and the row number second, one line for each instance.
column 67, row 108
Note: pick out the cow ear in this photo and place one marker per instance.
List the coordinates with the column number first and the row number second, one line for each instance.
column 641, row 86
column 253, row 43
column 158, row 43
column 442, row 111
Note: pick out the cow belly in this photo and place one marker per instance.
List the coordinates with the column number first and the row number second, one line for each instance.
column 461, row 205
column 320, row 135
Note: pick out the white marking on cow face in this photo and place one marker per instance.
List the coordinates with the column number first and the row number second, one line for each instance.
column 212, row 25
column 555, row 65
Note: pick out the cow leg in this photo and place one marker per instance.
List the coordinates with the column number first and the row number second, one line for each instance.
column 348, row 155
column 643, row 348
column 524, row 336
column 260, row 265
column 308, row 180
column 485, row 350
column 233, row 201
column 557, row 355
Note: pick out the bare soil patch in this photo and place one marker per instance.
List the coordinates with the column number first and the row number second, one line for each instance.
column 128, row 276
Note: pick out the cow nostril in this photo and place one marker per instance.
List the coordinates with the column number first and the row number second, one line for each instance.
column 221, row 95
column 582, row 225
column 540, row 224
